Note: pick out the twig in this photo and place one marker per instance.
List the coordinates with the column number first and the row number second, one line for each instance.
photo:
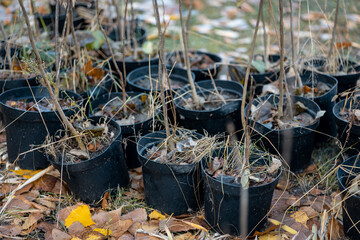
column 186, row 53
column 123, row 39
column 47, row 83
column 133, row 28
column 111, row 52
column 162, row 73
column 281, row 86
column 57, row 54
column 333, row 32
column 293, row 64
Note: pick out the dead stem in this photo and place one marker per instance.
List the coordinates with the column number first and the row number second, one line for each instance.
column 293, row 62
column 47, row 83
column 111, row 52
column 133, row 28
column 332, row 69
column 281, row 85
column 123, row 39
column 186, row 52
column 57, row 54
column 215, row 88
column 162, row 74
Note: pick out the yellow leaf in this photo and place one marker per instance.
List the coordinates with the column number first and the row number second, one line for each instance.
column 197, row 226
column 156, row 215
column 104, row 232
column 174, row 17
column 93, row 237
column 81, row 214
column 300, row 217
column 283, row 226
column 273, row 236
column 26, row 173
column 75, row 238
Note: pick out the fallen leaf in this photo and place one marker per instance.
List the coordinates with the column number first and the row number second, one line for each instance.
column 26, row 173
column 46, row 183
column 126, row 236
column 144, row 236
column 92, row 235
column 137, row 215
column 185, row 236
column 120, row 227
column 156, row 215
column 283, row 226
column 300, row 217
column 81, row 214
column 104, row 232
column 151, row 226
column 10, row 230
column 76, row 228
column 104, row 202
column 60, row 235
column 31, row 220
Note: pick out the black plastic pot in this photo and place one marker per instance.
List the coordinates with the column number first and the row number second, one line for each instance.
column 97, row 91
column 8, row 84
column 348, row 134
column 173, row 189
column 327, row 122
column 345, row 81
column 222, row 201
column 176, row 74
column 90, row 179
column 49, row 20
column 132, row 65
column 295, row 145
column 238, row 73
column 130, row 133
column 350, row 201
column 213, row 121
column 201, row 74
column 26, row 130
column 140, row 33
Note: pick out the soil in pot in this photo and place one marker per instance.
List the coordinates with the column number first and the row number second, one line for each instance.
column 137, row 120
column 345, row 71
column 200, row 63
column 217, row 109
column 291, row 135
column 171, row 177
column 99, row 168
column 347, row 116
column 225, row 177
column 322, row 89
column 348, row 178
column 26, row 128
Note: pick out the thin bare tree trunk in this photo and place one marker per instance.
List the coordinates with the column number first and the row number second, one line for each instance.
column 281, row 85
column 293, row 62
column 186, row 53
column 47, row 83
column 333, row 34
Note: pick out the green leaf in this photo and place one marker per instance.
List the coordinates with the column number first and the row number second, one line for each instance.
column 99, row 40
column 260, row 66
column 148, row 47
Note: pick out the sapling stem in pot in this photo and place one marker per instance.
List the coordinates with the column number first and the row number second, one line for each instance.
column 123, row 39
column 293, row 62
column 186, row 53
column 48, row 84
column 281, row 85
column 162, row 75
column 331, row 64
column 111, row 53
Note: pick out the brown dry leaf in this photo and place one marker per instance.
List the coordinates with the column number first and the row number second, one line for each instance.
column 126, row 236
column 151, row 226
column 185, row 236
column 58, row 186
column 10, row 230
column 300, row 217
column 46, row 183
column 104, row 202
column 144, row 236
column 137, row 215
column 46, row 203
column 310, row 212
column 293, row 201
column 17, row 204
column 92, row 235
column 24, row 189
column 45, row 226
column 93, row 74
column 268, row 229
column 31, row 220
column 120, row 227
column 33, row 204
column 60, row 235
column 32, row 195
column 135, row 194
column 134, row 227
column 176, row 225
column 76, row 228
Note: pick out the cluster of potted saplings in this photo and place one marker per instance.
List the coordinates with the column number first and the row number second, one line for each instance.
column 122, row 103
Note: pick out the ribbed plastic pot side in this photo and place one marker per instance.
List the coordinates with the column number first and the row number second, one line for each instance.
column 90, row 179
